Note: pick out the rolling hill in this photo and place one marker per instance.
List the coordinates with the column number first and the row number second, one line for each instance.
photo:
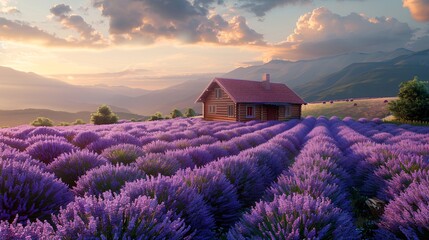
column 374, row 79
column 349, row 75
column 301, row 72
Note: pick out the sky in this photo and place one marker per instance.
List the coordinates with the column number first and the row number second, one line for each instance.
column 179, row 37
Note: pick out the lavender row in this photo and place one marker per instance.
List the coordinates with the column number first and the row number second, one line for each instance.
column 198, row 221
column 395, row 175
column 308, row 201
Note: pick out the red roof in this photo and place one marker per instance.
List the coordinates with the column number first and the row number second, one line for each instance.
column 245, row 91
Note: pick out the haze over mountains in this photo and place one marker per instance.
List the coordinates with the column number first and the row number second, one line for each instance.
column 344, row 76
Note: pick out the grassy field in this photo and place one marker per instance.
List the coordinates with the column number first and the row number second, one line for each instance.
column 365, row 108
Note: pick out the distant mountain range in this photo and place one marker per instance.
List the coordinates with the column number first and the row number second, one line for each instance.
column 350, row 75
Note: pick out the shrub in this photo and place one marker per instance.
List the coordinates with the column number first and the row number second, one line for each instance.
column 78, row 122
column 70, row 166
column 295, row 217
column 47, row 151
column 30, row 193
column 106, row 178
column 183, row 200
column 154, row 164
column 189, row 112
column 156, row 116
column 176, row 113
column 122, row 153
column 42, row 122
column 217, row 191
column 104, row 115
column 110, row 217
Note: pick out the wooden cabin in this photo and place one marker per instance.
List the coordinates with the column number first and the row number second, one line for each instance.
column 244, row 100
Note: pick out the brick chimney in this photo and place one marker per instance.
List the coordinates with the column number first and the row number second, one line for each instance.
column 266, row 81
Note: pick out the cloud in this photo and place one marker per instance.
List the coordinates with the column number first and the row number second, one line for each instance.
column 23, row 32
column 60, row 10
column 88, row 35
column 419, row 9
column 6, row 9
column 18, row 31
column 261, row 7
column 323, row 33
column 146, row 21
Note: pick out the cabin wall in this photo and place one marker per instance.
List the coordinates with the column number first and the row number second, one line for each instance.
column 295, row 112
column 242, row 112
column 221, row 105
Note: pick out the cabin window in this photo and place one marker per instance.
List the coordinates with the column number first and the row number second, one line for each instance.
column 250, row 111
column 218, row 93
column 212, row 109
column 231, row 111
column 287, row 111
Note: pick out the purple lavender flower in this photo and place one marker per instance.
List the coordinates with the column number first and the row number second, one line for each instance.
column 14, row 142
column 408, row 214
column 122, row 153
column 83, row 139
column 116, row 217
column 183, row 200
column 313, row 183
column 45, row 131
column 124, row 138
column 295, row 217
column 217, row 191
column 245, row 176
column 99, row 145
column 47, row 151
column 35, row 230
column 158, row 147
column 30, row 193
column 106, row 178
column 70, row 166
column 154, row 164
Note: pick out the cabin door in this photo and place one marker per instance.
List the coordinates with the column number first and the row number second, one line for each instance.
column 272, row 113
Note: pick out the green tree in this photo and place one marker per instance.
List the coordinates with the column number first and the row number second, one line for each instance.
column 156, row 116
column 176, row 113
column 190, row 112
column 104, row 115
column 413, row 102
column 42, row 122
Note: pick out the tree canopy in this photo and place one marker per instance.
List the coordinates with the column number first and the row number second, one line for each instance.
column 413, row 102
column 104, row 115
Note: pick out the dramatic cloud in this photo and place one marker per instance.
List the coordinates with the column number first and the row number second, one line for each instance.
column 88, row 35
column 419, row 9
column 145, row 21
column 323, row 33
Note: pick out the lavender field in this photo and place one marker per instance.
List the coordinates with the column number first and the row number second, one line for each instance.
column 315, row 178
